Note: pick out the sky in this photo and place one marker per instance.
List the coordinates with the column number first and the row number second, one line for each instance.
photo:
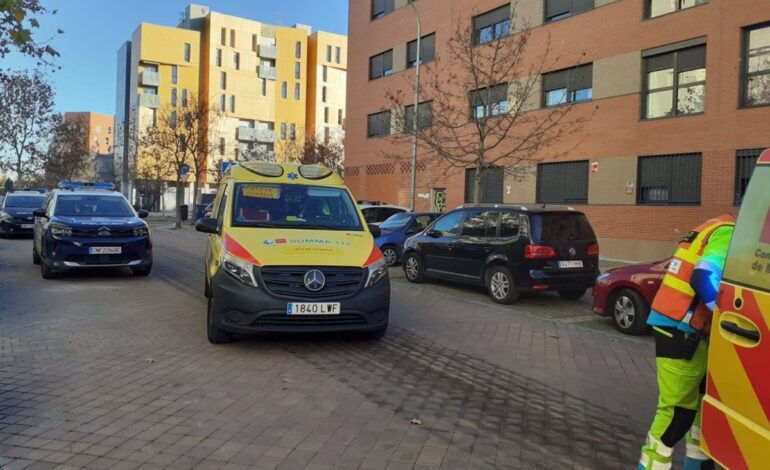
column 95, row 29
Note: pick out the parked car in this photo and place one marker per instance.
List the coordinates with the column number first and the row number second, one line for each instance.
column 376, row 213
column 16, row 209
column 90, row 225
column 626, row 293
column 399, row 227
column 509, row 249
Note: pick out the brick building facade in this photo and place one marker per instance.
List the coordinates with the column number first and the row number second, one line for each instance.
column 681, row 90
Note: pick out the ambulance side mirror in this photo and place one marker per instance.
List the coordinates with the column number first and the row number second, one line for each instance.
column 207, row 225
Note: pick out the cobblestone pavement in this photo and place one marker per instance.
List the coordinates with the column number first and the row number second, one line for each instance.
column 104, row 370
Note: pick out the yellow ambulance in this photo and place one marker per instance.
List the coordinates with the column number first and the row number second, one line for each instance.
column 736, row 408
column 289, row 251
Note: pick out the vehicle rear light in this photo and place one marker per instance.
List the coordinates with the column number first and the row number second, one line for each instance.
column 540, row 287
column 593, row 250
column 539, row 252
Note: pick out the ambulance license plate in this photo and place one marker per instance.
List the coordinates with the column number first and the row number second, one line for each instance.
column 313, row 308
column 570, row 264
column 104, row 250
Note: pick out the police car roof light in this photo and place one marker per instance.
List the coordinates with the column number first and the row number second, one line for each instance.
column 314, row 172
column 79, row 185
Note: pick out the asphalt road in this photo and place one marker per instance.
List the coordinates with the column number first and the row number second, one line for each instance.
column 104, row 370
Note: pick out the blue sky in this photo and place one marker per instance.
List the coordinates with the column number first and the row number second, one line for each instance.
column 95, row 29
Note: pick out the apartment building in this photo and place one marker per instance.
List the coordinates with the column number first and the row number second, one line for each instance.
column 327, row 79
column 100, row 132
column 255, row 77
column 681, row 90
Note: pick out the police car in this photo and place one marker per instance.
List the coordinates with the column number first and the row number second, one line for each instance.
column 90, row 225
column 16, row 212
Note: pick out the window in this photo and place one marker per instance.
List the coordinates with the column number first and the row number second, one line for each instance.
column 187, row 52
column 492, row 101
column 669, row 179
column 427, row 50
column 232, row 103
column 381, row 65
column 283, row 130
column 298, row 49
column 151, row 68
column 296, row 91
column 184, row 97
column 254, row 43
column 222, row 103
column 219, row 58
column 492, row 25
column 154, row 117
column 339, row 117
column 324, row 73
column 232, row 38
column 221, row 145
column 263, row 86
column 562, row 183
column 293, row 131
column 236, row 60
column 755, row 89
column 379, row 124
column 662, row 7
column 745, row 162
column 424, row 118
column 328, row 53
column 675, row 82
column 559, row 9
column 449, row 224
column 173, row 97
column 326, row 115
column 323, row 94
column 338, row 55
column 172, row 119
column 480, row 224
column 326, row 134
column 284, row 90
column 492, row 180
column 223, row 36
column 174, row 74
column 149, row 90
column 223, row 80
column 381, row 8
column 297, row 70
column 568, row 86
column 511, row 224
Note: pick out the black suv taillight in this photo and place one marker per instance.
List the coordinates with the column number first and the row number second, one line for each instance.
column 593, row 250
column 539, row 252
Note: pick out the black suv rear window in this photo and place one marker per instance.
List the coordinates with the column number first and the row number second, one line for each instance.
column 561, row 226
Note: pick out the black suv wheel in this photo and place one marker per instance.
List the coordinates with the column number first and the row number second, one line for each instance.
column 500, row 285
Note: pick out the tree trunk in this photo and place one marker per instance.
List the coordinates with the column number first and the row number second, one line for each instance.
column 179, row 200
column 477, row 184
column 195, row 201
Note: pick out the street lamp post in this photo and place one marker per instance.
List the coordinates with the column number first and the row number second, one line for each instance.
column 413, row 183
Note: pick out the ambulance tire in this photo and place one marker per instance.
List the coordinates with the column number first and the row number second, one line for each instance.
column 629, row 312
column 376, row 334
column 215, row 335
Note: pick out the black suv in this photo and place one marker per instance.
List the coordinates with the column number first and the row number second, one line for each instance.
column 508, row 248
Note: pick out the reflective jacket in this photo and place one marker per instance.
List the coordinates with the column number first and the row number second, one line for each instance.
column 676, row 297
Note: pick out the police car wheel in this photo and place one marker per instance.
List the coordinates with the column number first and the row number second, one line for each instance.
column 46, row 271
column 629, row 312
column 215, row 335
column 35, row 256
column 145, row 271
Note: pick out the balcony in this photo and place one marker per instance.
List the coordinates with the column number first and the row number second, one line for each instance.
column 149, row 100
column 150, row 78
column 268, row 72
column 249, row 134
column 268, row 52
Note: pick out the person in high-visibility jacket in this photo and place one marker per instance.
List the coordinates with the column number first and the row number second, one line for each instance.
column 681, row 319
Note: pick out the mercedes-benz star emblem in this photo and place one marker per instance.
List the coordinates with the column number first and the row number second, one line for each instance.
column 314, row 280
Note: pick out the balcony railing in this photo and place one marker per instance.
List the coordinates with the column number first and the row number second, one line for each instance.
column 270, row 73
column 150, row 78
column 250, row 134
column 149, row 100
column 268, row 52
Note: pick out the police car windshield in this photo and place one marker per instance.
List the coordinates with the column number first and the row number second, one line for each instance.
column 24, row 202
column 294, row 207
column 92, row 205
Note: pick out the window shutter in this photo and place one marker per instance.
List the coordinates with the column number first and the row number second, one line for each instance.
column 555, row 80
column 557, row 7
column 660, row 62
column 492, row 17
column 693, row 58
column 582, row 77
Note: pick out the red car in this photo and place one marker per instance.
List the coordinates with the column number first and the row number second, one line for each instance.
column 626, row 293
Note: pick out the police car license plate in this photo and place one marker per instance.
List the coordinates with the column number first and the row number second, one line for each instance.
column 570, row 264
column 27, row 226
column 104, row 250
column 313, row 308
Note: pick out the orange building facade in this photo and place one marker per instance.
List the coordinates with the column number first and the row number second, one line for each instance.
column 681, row 92
column 100, row 130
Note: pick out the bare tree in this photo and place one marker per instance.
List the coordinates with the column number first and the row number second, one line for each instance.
column 26, row 118
column 329, row 152
column 477, row 104
column 69, row 154
column 178, row 139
